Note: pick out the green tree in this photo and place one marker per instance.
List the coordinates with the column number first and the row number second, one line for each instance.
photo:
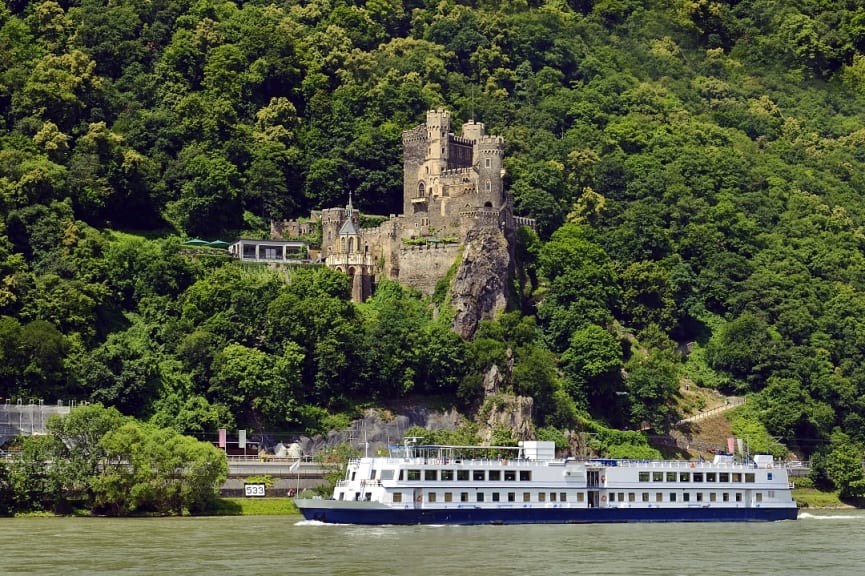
column 582, row 283
column 591, row 364
column 653, row 383
column 840, row 465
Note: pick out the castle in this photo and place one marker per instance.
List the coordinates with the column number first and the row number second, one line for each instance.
column 451, row 185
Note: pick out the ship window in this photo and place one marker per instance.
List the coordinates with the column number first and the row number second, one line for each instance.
column 645, row 496
column 686, row 497
column 684, row 476
column 563, row 496
column 644, row 476
column 462, row 475
column 386, row 475
column 397, row 497
column 699, row 496
column 495, row 475
column 672, row 496
column 621, row 496
column 713, row 497
column 552, row 496
column 512, row 496
column 496, row 496
column 737, row 477
column 464, row 496
column 430, row 475
column 698, row 476
column 580, row 497
column 769, row 476
column 479, row 496
column 478, row 475
column 400, row 475
column 710, row 477
column 632, row 497
column 758, row 496
column 353, row 472
column 657, row 476
column 724, row 476
column 412, row 475
column 447, row 475
column 511, row 475
column 612, row 496
column 771, row 494
column 525, row 475
column 671, row 476
column 738, row 496
column 659, row 496
column 542, row 496
column 449, row 496
column 527, row 497
column 431, row 497
column 749, row 477
column 725, row 496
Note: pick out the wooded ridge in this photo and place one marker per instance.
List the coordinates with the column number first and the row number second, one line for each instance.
column 695, row 169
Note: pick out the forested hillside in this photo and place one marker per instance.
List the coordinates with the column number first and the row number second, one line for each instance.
column 695, row 167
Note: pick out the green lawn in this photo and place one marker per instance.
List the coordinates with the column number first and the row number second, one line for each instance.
column 813, row 498
column 256, row 507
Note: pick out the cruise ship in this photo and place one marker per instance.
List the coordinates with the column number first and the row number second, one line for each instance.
column 426, row 484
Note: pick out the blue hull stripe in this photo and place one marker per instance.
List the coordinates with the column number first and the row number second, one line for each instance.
column 546, row 515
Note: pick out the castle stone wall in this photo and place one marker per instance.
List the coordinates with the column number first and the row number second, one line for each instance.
column 422, row 266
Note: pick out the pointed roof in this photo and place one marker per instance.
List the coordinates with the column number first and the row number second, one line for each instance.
column 349, row 227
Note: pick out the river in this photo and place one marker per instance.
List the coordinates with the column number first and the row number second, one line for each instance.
column 827, row 543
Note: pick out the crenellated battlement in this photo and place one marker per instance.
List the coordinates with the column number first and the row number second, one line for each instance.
column 461, row 140
column 418, row 134
column 494, row 140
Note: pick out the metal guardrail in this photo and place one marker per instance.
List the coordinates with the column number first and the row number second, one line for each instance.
column 706, row 413
column 281, row 469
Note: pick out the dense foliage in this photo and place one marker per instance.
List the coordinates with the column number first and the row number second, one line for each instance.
column 97, row 459
column 695, row 168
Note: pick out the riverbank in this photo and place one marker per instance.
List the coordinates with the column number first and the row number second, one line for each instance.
column 813, row 499
column 230, row 506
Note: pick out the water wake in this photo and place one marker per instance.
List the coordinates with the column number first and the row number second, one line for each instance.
column 810, row 516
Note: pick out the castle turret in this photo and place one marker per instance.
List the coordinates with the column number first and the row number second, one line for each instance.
column 473, row 131
column 490, row 152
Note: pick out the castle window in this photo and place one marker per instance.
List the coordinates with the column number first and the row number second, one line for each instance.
column 342, row 244
column 488, row 186
column 351, row 244
column 488, row 162
column 421, row 190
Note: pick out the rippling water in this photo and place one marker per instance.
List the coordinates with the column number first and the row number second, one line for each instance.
column 828, row 543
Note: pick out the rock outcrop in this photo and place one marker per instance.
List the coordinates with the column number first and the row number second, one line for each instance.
column 480, row 286
column 509, row 412
column 376, row 430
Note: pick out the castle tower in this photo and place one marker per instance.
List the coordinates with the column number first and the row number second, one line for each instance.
column 490, row 153
column 438, row 126
column 473, row 131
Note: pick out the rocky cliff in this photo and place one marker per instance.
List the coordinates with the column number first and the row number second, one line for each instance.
column 480, row 286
